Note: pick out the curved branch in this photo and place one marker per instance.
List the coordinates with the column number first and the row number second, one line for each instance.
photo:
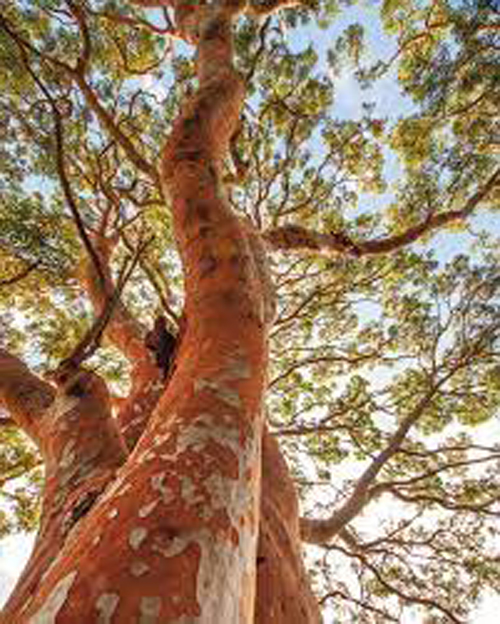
column 79, row 15
column 91, row 340
column 105, row 118
column 23, row 395
column 127, row 334
column 405, row 597
column 114, row 131
column 296, row 237
column 319, row 531
column 60, row 157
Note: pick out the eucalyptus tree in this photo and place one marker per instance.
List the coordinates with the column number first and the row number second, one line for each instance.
column 177, row 170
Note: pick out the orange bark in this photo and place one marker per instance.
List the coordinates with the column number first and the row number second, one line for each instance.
column 164, row 527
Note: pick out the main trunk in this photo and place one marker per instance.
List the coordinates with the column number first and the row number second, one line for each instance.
column 166, row 529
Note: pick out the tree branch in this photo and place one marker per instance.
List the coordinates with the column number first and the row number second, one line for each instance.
column 21, row 275
column 396, row 591
column 319, row 531
column 296, row 237
column 23, row 395
column 91, row 341
column 92, row 100
column 60, row 160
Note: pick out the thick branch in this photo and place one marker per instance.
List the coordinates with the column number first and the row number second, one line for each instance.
column 23, row 395
column 127, row 334
column 296, row 237
column 82, row 450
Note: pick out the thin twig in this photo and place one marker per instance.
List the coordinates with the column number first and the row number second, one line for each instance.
column 20, row 276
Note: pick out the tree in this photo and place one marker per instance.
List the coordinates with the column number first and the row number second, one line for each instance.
column 165, row 494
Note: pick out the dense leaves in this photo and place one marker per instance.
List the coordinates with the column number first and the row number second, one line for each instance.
column 385, row 375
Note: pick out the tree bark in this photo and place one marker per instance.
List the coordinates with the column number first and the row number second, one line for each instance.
column 163, row 526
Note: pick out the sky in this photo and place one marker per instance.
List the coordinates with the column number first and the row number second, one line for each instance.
column 349, row 97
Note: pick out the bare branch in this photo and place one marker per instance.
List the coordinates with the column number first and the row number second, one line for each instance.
column 400, row 593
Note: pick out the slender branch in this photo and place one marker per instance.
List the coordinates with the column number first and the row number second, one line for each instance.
column 91, row 341
column 447, row 503
column 405, row 597
column 92, row 100
column 20, row 276
column 61, row 162
column 360, row 603
column 319, row 531
column 324, row 359
column 152, row 276
column 114, row 131
column 84, row 58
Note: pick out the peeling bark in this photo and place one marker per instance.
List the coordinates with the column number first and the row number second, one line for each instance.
column 154, row 516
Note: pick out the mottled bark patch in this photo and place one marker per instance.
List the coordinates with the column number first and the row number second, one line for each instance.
column 106, row 606
column 47, row 614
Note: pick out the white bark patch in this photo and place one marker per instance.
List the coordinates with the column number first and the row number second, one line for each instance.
column 223, row 393
column 68, row 455
column 51, row 566
column 96, row 540
column 157, row 483
column 223, row 578
column 147, row 509
column 226, row 570
column 149, row 609
column 136, row 537
column 139, row 568
column 147, row 456
column 237, row 370
column 134, row 423
column 55, row 601
column 188, row 489
column 160, row 439
column 117, row 488
column 219, row 579
column 106, row 605
column 113, row 513
column 206, row 428
column 124, row 489
column 62, row 405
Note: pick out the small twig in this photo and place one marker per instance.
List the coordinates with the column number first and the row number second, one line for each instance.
column 20, row 276
column 151, row 275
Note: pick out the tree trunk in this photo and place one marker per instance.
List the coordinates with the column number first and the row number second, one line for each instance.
column 154, row 515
